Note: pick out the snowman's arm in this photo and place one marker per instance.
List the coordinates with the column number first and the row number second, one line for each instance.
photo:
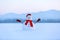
column 37, row 21
column 20, row 21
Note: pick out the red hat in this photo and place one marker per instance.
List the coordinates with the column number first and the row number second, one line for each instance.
column 28, row 15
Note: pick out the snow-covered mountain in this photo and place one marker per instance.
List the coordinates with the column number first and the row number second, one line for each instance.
column 51, row 14
column 44, row 15
column 11, row 16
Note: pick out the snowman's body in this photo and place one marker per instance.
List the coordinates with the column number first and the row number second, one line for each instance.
column 28, row 26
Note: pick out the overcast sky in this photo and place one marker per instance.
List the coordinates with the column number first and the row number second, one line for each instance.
column 25, row 6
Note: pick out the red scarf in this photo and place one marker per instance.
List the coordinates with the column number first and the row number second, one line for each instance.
column 30, row 21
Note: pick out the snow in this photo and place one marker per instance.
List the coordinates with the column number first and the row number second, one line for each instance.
column 42, row 31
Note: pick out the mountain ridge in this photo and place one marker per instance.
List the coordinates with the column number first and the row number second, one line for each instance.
column 51, row 15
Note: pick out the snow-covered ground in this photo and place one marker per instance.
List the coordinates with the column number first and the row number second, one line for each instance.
column 42, row 31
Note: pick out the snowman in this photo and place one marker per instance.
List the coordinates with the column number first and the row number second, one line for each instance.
column 28, row 24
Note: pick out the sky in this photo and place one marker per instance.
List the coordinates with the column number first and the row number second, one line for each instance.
column 26, row 6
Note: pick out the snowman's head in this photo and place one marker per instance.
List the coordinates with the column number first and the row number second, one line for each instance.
column 28, row 16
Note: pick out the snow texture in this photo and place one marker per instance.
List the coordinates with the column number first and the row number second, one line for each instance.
column 41, row 31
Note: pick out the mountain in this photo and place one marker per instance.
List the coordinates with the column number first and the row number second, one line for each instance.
column 50, row 15
column 11, row 16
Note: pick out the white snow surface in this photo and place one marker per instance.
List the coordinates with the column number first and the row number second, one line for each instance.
column 41, row 31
